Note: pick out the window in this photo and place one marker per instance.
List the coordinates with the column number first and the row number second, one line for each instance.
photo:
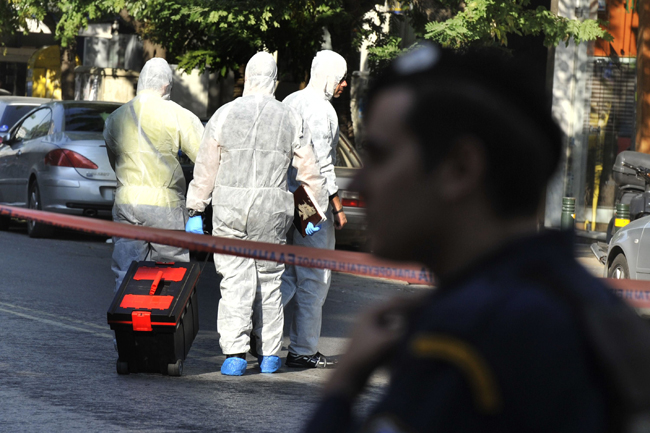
column 13, row 113
column 89, row 118
column 36, row 125
column 43, row 128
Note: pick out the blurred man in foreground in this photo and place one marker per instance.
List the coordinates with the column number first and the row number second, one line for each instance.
column 143, row 138
column 460, row 149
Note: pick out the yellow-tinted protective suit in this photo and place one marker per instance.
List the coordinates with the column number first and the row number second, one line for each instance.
column 143, row 139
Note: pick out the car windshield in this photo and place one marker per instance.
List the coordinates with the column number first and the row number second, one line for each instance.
column 346, row 155
column 89, row 118
column 12, row 114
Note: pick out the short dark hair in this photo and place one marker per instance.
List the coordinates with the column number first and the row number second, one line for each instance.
column 492, row 97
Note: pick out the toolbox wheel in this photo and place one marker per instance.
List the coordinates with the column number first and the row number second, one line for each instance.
column 122, row 367
column 5, row 222
column 175, row 369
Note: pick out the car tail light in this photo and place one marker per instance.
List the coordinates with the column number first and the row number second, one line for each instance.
column 351, row 199
column 68, row 158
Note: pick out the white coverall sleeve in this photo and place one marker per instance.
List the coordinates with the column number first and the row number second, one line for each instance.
column 306, row 165
column 199, row 193
column 322, row 136
column 191, row 131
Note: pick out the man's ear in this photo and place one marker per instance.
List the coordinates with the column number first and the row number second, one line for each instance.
column 462, row 173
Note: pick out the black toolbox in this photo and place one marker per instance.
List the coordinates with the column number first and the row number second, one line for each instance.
column 155, row 316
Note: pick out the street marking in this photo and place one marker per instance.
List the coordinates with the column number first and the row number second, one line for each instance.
column 55, row 323
column 81, row 322
column 281, row 378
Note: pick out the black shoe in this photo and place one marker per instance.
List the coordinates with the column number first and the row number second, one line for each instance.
column 317, row 360
column 237, row 355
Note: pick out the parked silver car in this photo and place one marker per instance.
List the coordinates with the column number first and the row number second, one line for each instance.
column 13, row 108
column 628, row 255
column 55, row 159
column 348, row 163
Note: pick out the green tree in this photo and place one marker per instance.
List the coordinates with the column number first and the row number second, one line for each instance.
column 461, row 24
column 63, row 18
column 225, row 33
column 490, row 22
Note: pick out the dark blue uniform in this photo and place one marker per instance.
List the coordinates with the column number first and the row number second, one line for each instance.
column 493, row 350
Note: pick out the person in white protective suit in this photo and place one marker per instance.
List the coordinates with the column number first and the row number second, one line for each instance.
column 308, row 287
column 242, row 166
column 143, row 139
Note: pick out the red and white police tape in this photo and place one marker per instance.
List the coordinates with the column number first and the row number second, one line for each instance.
column 636, row 293
column 340, row 261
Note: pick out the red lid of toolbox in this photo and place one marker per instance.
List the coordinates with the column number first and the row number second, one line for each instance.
column 147, row 302
column 150, row 272
column 163, row 290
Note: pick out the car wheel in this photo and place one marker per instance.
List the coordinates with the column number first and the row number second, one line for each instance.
column 618, row 269
column 36, row 229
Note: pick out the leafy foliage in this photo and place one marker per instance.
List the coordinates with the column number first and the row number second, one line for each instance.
column 64, row 18
column 223, row 34
column 226, row 33
column 76, row 14
column 383, row 51
column 490, row 22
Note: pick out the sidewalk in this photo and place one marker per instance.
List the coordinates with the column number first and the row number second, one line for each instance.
column 587, row 259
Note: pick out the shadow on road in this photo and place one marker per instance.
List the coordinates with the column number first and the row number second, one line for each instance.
column 20, row 226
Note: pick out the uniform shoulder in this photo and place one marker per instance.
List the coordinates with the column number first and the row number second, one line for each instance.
column 512, row 302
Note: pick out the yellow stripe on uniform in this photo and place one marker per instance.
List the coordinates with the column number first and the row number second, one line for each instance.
column 467, row 360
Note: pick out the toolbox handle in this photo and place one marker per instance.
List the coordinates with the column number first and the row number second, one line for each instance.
column 156, row 282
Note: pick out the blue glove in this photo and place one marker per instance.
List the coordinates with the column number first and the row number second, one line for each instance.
column 310, row 229
column 194, row 225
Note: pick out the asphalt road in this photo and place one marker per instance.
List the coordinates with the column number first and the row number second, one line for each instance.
column 57, row 358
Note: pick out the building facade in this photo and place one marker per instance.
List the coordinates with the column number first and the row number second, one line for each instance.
column 594, row 98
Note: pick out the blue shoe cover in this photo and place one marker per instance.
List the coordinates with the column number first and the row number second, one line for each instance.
column 233, row 366
column 270, row 364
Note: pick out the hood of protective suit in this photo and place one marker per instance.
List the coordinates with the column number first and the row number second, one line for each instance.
column 327, row 70
column 261, row 75
column 156, row 75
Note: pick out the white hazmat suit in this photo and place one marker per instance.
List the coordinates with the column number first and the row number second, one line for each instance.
column 306, row 286
column 143, row 138
column 242, row 166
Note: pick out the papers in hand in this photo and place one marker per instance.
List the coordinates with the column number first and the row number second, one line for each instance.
column 306, row 210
